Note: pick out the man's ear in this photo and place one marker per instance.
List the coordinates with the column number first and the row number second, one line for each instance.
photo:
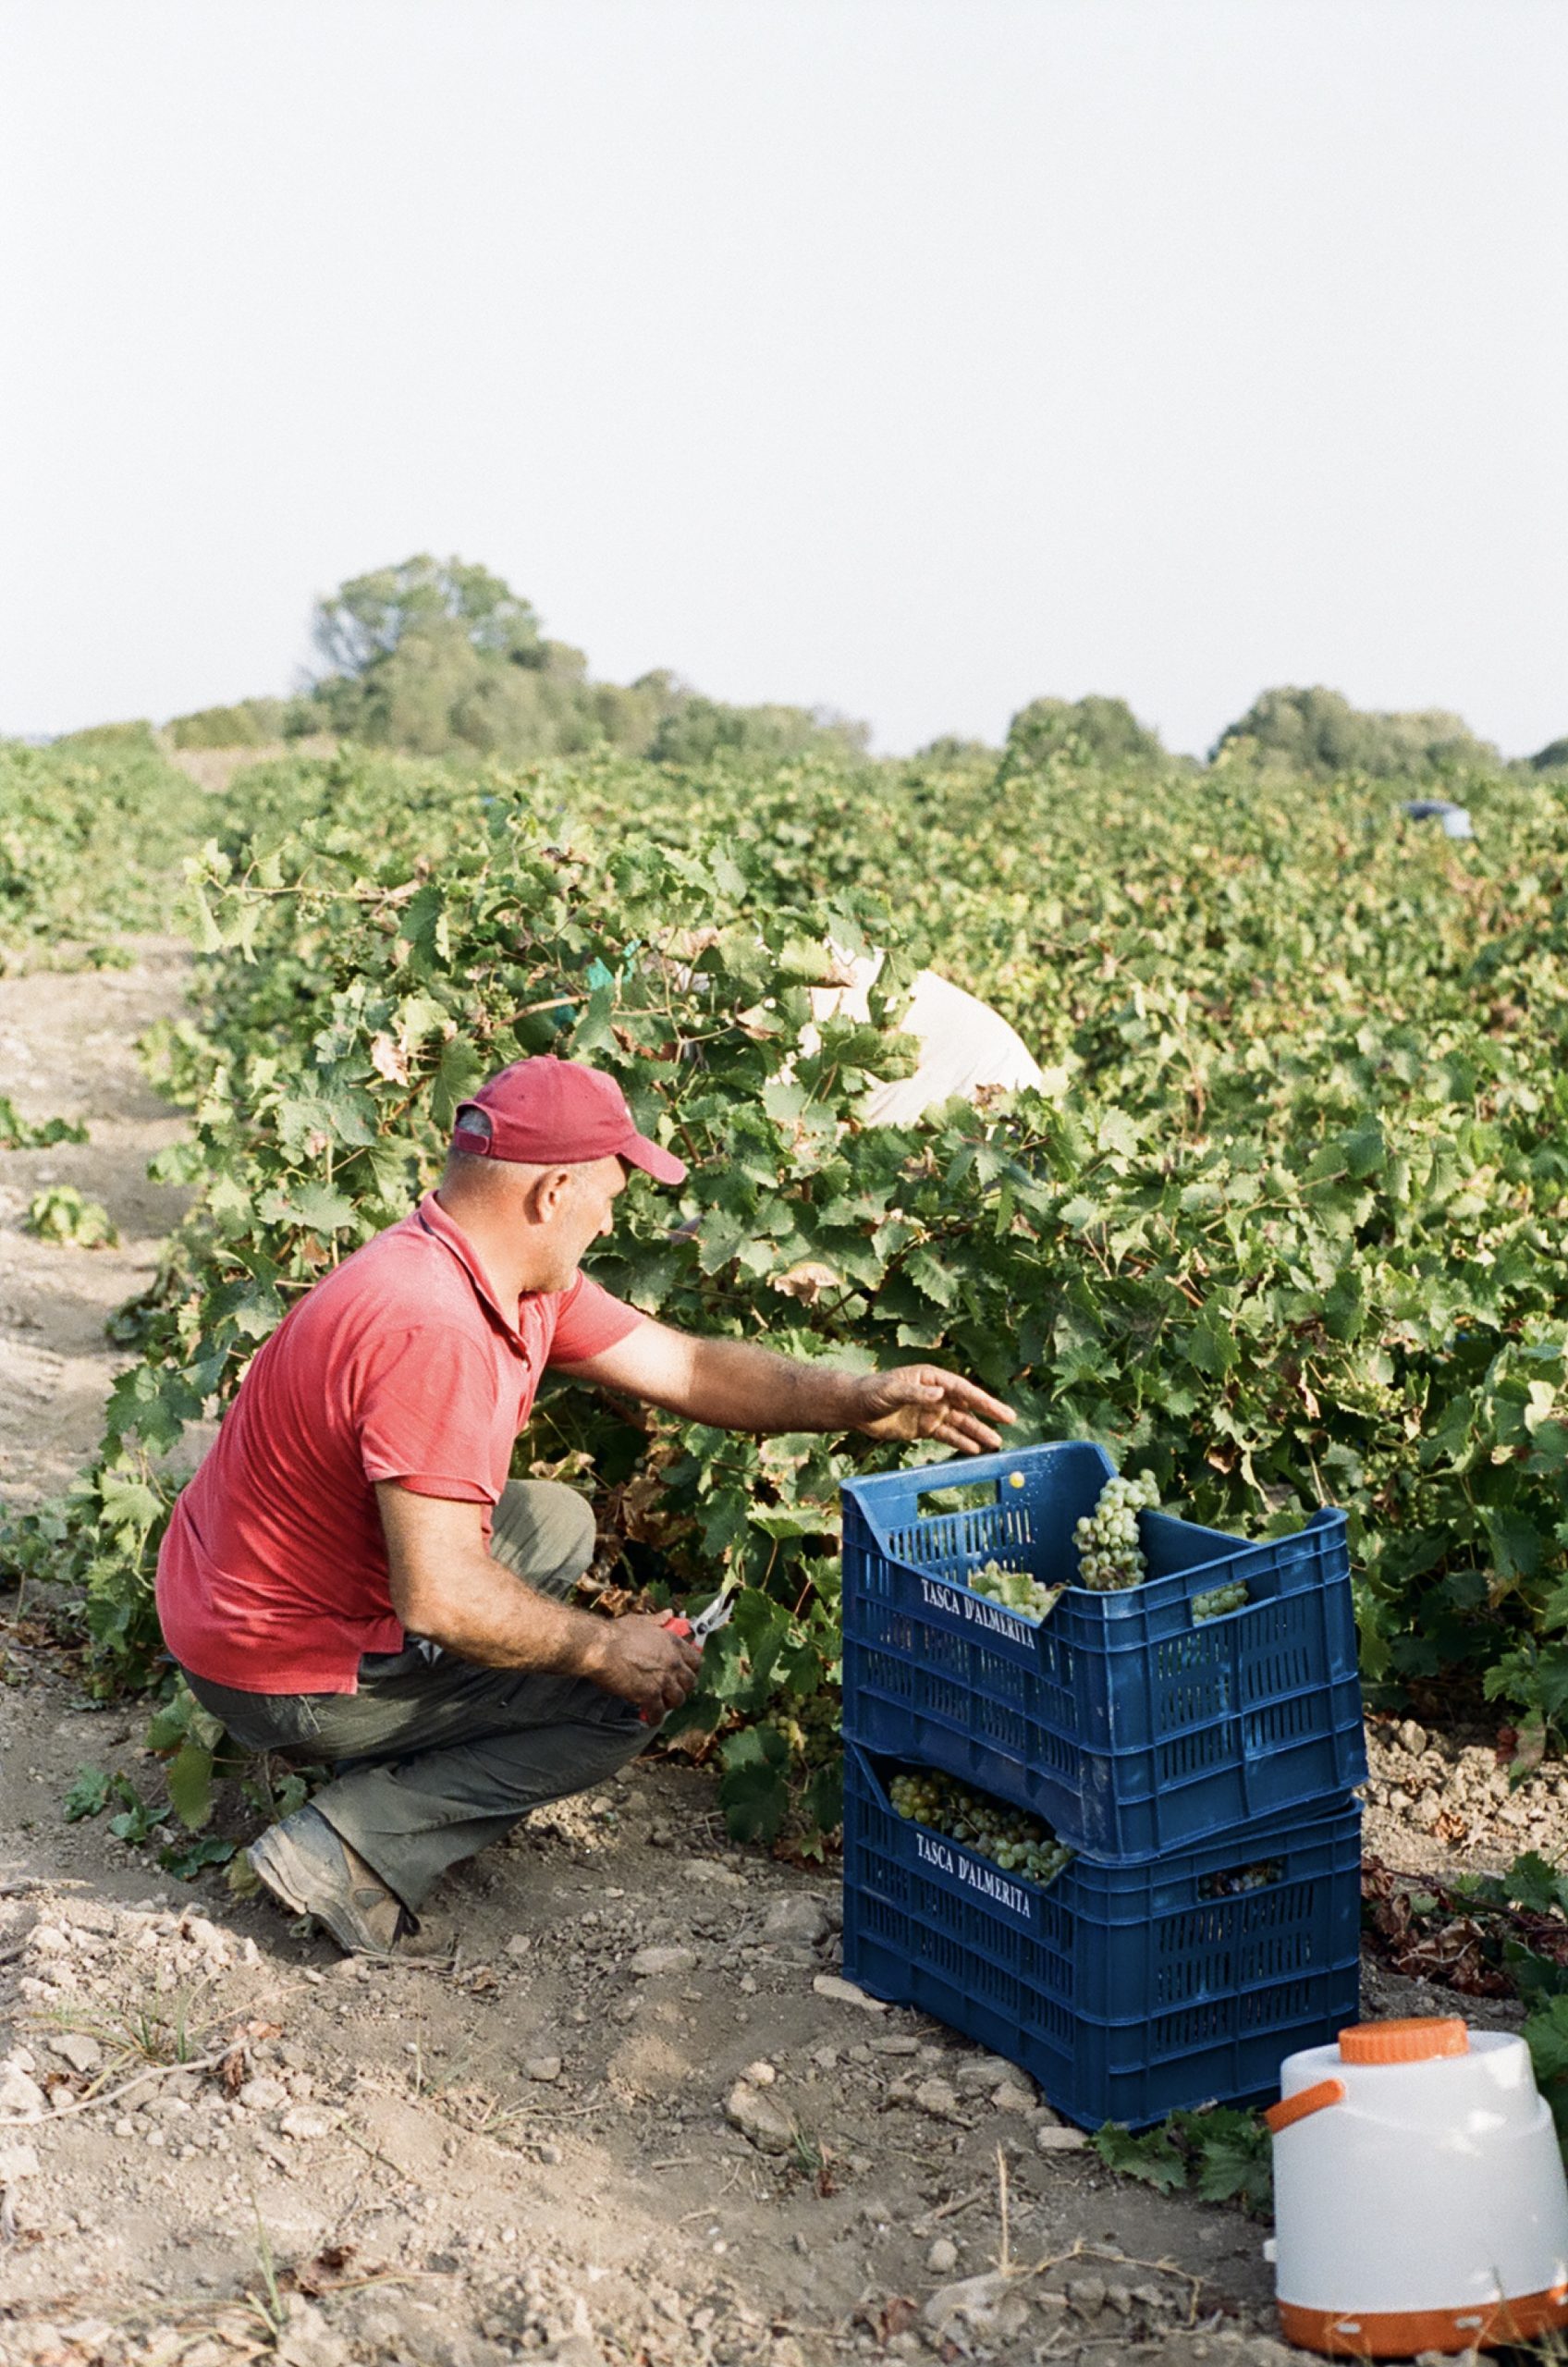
column 549, row 1192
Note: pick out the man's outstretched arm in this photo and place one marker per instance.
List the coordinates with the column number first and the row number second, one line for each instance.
column 446, row 1586
column 734, row 1385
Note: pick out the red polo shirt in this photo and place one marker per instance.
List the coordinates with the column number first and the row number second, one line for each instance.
column 400, row 1365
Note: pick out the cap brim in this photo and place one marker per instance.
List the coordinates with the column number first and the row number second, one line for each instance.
column 662, row 1165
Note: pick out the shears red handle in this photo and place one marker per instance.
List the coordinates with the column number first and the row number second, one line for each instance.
column 697, row 1631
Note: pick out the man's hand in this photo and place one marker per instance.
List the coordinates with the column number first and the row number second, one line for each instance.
column 641, row 1660
column 925, row 1401
column 446, row 1586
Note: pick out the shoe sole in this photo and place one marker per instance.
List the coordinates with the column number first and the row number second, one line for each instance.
column 269, row 1859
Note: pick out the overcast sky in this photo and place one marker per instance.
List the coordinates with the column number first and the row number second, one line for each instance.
column 911, row 357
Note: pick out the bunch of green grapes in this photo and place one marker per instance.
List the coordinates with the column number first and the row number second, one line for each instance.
column 1108, row 1555
column 1219, row 1601
column 1015, row 1591
column 1011, row 1838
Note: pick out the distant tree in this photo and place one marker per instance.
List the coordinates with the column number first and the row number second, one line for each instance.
column 663, row 686
column 367, row 620
column 252, row 723
column 119, row 737
column 949, row 748
column 629, row 714
column 441, row 657
column 438, row 657
column 1089, row 731
column 1552, row 758
column 696, row 730
column 435, row 654
column 1318, row 732
column 563, row 663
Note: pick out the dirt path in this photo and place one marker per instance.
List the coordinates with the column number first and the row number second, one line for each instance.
column 525, row 2149
column 67, row 1049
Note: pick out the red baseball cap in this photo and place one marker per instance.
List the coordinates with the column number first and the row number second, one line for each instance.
column 543, row 1112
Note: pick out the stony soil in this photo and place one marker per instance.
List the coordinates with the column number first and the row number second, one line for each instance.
column 625, row 2114
column 1440, row 1804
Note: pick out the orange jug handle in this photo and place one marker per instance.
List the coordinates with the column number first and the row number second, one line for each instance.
column 1304, row 2101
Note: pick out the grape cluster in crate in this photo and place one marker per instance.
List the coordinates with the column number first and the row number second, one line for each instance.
column 1098, row 1777
column 1013, row 1840
column 1107, row 1539
column 1015, row 1591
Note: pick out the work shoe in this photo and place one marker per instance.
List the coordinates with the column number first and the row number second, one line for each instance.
column 310, row 1871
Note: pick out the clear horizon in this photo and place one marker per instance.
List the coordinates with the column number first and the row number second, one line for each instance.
column 901, row 357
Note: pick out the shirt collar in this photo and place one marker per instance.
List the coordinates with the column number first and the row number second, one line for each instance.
column 431, row 1217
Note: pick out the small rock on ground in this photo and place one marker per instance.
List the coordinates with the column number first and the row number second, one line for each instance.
column 759, row 2120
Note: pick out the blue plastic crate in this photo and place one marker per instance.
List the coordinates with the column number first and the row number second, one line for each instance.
column 1130, row 1727
column 1126, row 1991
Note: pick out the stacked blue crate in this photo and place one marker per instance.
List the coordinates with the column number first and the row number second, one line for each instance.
column 1199, row 1768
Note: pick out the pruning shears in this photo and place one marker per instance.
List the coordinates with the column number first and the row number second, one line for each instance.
column 707, row 1622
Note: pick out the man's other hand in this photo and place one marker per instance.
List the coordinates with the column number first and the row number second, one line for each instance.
column 925, row 1401
column 639, row 1659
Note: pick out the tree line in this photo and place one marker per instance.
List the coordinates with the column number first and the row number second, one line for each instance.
column 440, row 657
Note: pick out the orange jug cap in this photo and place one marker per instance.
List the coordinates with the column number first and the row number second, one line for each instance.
column 1420, row 2039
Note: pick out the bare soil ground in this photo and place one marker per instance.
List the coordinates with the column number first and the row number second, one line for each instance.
column 67, row 1049
column 213, row 768
column 622, row 2117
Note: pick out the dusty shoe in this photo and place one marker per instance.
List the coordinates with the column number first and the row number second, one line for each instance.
column 310, row 1871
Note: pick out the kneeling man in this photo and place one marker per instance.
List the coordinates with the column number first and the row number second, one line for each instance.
column 351, row 1576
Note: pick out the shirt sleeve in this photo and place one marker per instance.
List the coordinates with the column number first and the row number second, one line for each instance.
column 589, row 1320
column 424, row 1414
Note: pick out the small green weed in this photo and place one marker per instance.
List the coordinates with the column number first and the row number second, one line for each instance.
column 89, row 1794
column 242, row 1880
column 188, row 1858
column 1545, row 2034
column 60, row 1213
column 168, row 2035
column 1220, row 2155
column 139, row 1819
column 274, row 1789
column 17, row 1133
column 269, row 2304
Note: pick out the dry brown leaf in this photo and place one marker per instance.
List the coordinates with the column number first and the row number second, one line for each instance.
column 807, row 1281
column 387, row 1059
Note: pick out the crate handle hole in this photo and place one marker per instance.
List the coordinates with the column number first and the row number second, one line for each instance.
column 1239, row 1881
column 964, row 1496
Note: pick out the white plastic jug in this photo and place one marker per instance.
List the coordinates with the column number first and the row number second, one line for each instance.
column 1419, row 2198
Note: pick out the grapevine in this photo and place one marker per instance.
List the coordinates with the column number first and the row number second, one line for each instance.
column 1010, row 1838
column 1109, row 1557
column 1287, row 1247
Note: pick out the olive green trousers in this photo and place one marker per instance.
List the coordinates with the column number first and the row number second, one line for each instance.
column 434, row 1758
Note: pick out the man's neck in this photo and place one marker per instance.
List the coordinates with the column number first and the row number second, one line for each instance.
column 494, row 1238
